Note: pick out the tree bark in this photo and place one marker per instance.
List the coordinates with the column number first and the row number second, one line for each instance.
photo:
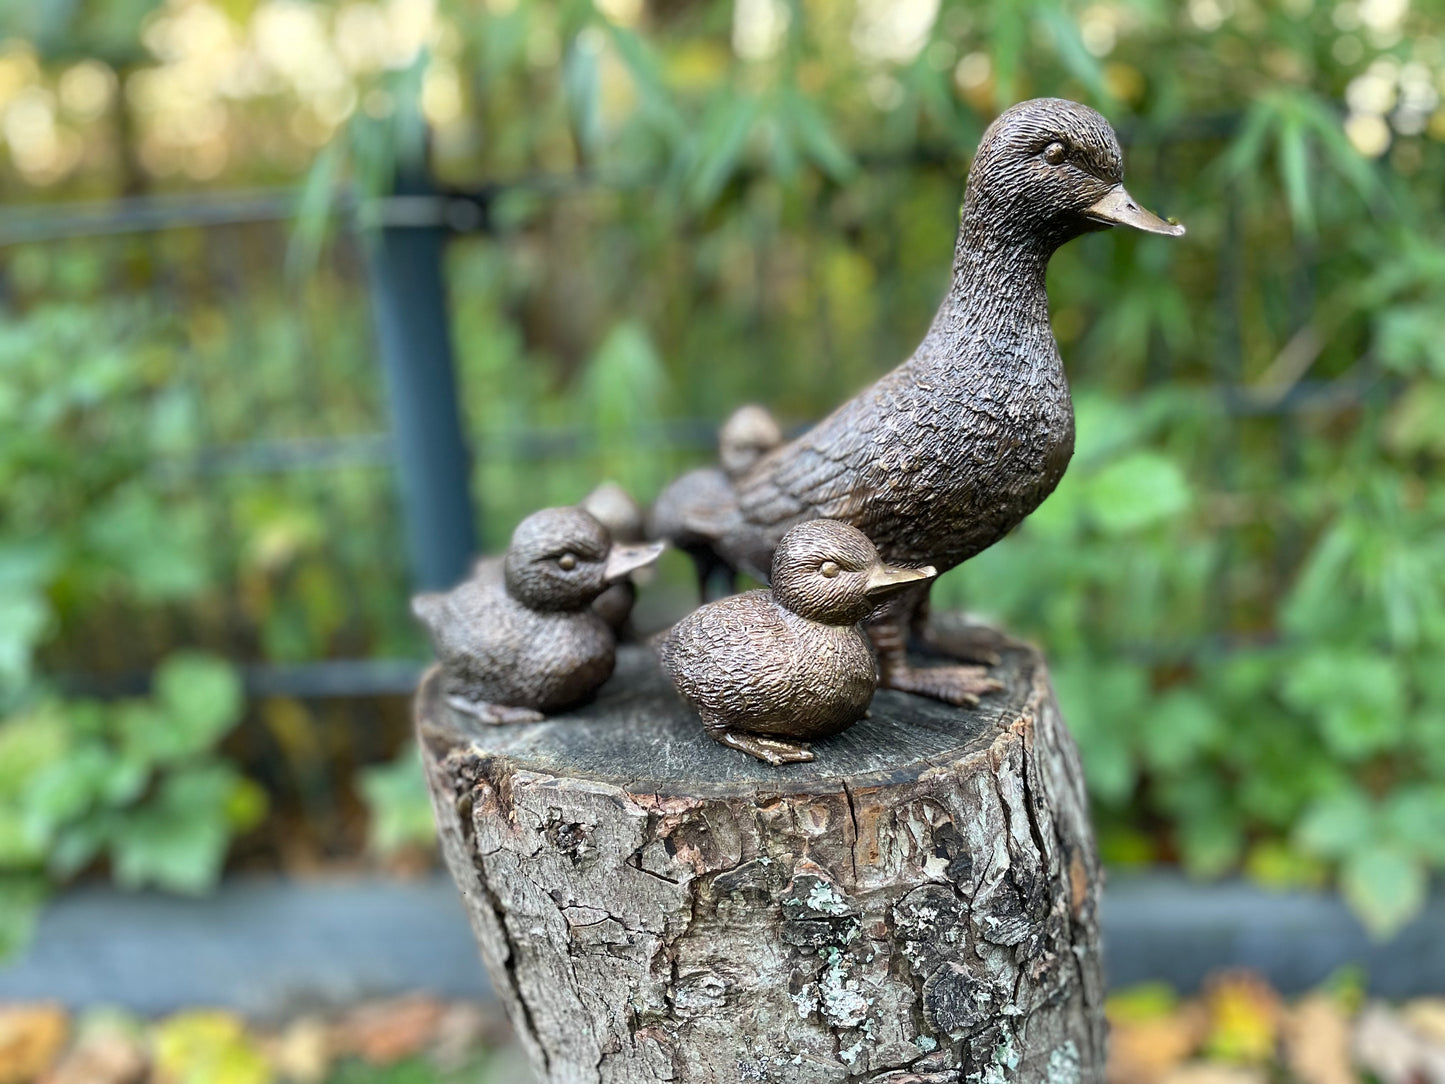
column 917, row 905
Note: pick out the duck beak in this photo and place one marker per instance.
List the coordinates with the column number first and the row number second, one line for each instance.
column 622, row 560
column 1117, row 208
column 885, row 579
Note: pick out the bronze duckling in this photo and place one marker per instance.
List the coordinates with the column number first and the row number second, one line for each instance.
column 700, row 507
column 946, row 454
column 770, row 670
column 615, row 509
column 519, row 639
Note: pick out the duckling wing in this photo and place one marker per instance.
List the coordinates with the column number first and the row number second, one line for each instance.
column 727, row 656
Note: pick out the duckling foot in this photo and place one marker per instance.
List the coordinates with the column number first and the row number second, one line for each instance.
column 494, row 714
column 773, row 751
column 961, row 685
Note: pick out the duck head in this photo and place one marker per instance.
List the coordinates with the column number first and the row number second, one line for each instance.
column 1048, row 170
column 749, row 434
column 563, row 558
column 828, row 571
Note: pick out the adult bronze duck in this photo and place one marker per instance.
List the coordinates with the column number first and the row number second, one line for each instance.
column 950, row 451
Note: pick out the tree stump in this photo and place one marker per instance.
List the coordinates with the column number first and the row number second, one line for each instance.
column 916, row 905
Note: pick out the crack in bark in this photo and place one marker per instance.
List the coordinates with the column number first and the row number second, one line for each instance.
column 528, row 1023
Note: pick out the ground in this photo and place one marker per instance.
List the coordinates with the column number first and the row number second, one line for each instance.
column 1236, row 1031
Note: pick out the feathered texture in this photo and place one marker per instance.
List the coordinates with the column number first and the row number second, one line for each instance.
column 768, row 669
column 946, row 454
column 521, row 634
column 700, row 507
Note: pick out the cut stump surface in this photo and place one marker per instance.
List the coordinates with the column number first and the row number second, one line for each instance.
column 917, row 905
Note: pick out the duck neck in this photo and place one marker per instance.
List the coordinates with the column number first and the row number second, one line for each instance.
column 998, row 281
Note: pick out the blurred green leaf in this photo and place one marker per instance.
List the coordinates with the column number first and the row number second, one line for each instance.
column 1338, row 824
column 1137, row 491
column 1385, row 885
column 201, row 696
column 398, row 805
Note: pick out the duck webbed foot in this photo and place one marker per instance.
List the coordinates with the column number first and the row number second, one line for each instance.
column 963, row 643
column 494, row 714
column 961, row 685
column 773, row 751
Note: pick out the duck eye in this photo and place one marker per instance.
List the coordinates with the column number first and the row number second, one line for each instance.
column 829, row 569
column 567, row 562
column 1055, row 153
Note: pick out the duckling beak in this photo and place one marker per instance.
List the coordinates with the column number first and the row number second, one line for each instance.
column 1117, row 208
column 624, row 559
column 885, row 579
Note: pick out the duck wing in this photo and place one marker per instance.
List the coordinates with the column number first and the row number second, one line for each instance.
column 850, row 461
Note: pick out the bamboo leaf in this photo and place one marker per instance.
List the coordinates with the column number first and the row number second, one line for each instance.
column 1293, row 157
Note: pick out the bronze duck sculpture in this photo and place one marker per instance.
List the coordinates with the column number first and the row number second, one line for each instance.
column 946, row 454
column 770, row 670
column 699, row 507
column 519, row 639
column 614, row 508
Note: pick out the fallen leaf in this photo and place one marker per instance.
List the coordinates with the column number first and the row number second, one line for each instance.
column 1426, row 1016
column 1215, row 1072
column 113, row 1058
column 1391, row 1050
column 383, row 1032
column 207, row 1047
column 1144, row 1051
column 1244, row 1018
column 302, row 1052
column 1317, row 1042
column 463, row 1030
column 31, row 1038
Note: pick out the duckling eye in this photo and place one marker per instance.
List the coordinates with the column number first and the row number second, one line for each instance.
column 829, row 569
column 1055, row 153
column 567, row 562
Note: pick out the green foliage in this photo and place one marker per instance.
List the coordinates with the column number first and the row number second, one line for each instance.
column 138, row 782
column 399, row 815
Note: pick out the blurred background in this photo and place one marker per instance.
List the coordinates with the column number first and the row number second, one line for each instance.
column 267, row 266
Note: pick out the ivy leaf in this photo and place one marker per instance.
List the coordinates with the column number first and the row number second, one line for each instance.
column 397, row 803
column 1358, row 699
column 202, row 699
column 1337, row 824
column 1415, row 816
column 1137, row 491
column 1181, row 724
column 64, row 791
column 1385, row 886
column 178, row 840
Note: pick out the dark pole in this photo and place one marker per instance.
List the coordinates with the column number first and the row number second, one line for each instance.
column 408, row 297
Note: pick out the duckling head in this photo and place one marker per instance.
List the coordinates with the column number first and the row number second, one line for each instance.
column 614, row 508
column 1048, row 170
column 828, row 571
column 563, row 558
column 749, row 434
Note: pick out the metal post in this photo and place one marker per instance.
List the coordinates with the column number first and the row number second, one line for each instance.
column 408, row 298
